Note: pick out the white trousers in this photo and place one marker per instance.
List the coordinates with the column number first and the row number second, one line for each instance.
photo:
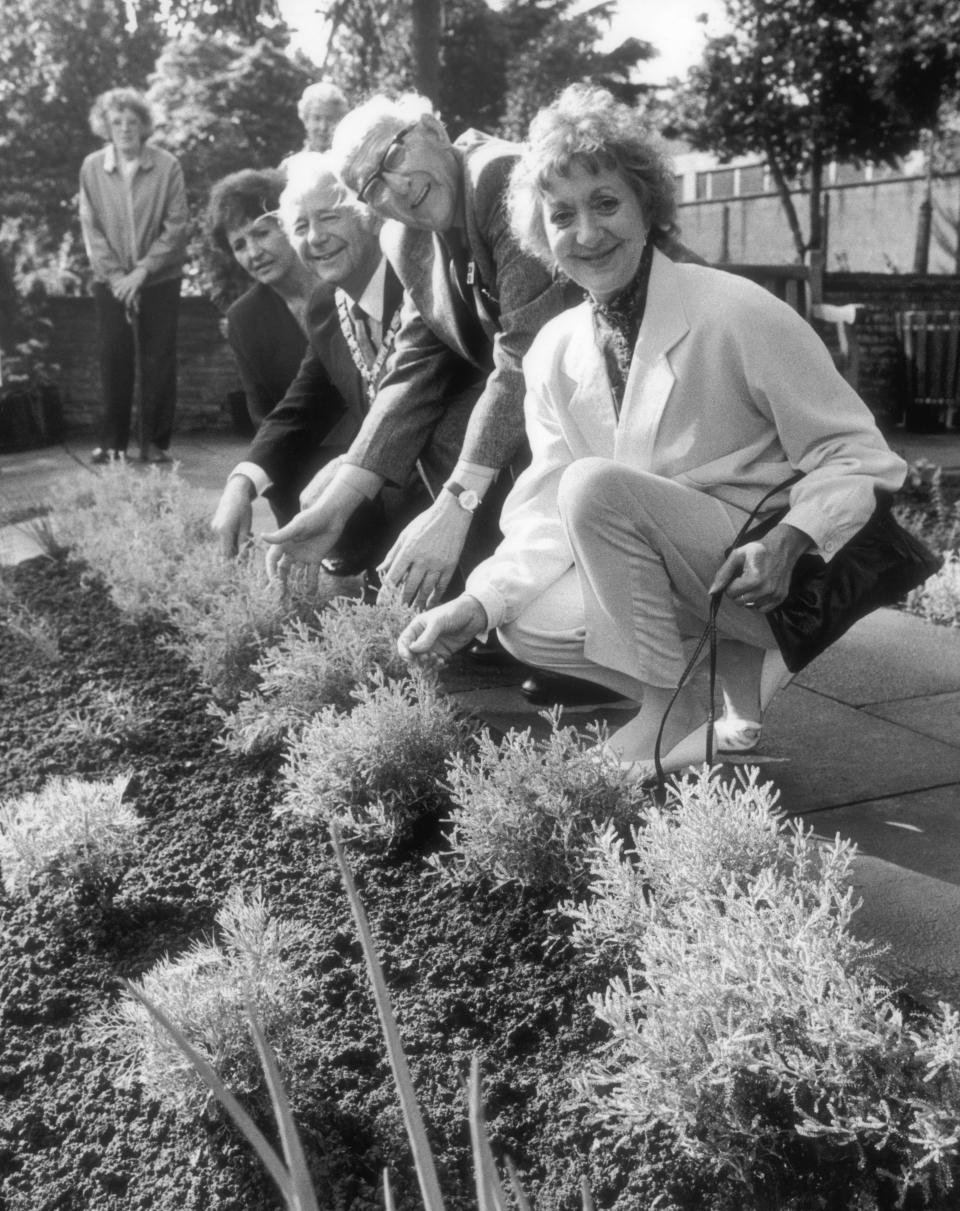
column 646, row 550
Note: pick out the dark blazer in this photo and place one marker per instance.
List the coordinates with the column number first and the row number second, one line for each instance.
column 269, row 346
column 512, row 297
column 322, row 410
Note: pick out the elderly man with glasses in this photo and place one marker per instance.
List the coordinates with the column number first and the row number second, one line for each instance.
column 470, row 291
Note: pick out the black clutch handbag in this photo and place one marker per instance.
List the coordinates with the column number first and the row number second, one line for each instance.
column 879, row 565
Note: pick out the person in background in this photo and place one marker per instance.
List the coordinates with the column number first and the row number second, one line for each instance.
column 660, row 411
column 351, row 324
column 133, row 214
column 267, row 325
column 320, row 108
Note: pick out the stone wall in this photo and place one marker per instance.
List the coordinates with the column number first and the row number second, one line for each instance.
column 206, row 372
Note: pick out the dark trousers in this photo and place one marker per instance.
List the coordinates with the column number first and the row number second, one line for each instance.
column 155, row 343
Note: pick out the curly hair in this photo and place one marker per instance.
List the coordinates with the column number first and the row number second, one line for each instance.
column 241, row 198
column 376, row 117
column 320, row 93
column 311, row 170
column 114, row 100
column 589, row 127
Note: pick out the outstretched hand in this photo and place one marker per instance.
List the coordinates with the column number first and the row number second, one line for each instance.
column 312, row 534
column 431, row 638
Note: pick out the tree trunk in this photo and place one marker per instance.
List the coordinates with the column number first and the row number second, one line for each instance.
column 786, row 201
column 921, row 252
column 816, row 201
column 426, row 16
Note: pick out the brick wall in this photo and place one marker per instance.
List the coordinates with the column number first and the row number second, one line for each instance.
column 882, row 378
column 206, row 372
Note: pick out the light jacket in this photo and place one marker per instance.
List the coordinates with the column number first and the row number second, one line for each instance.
column 143, row 225
column 729, row 391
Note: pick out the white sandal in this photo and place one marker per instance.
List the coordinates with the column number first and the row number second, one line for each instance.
column 734, row 735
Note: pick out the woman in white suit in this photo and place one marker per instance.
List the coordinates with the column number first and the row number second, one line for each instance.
column 658, row 412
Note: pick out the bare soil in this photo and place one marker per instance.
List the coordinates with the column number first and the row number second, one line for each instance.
column 468, row 972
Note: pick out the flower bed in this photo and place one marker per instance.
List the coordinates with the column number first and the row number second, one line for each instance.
column 537, row 967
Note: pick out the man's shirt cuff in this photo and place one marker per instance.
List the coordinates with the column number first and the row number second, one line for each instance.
column 258, row 477
column 367, row 483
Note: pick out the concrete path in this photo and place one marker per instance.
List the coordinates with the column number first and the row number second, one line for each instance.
column 864, row 743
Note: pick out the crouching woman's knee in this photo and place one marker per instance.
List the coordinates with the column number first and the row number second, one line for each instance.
column 586, row 490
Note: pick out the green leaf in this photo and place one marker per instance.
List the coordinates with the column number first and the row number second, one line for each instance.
column 304, row 1197
column 241, row 1118
column 419, row 1145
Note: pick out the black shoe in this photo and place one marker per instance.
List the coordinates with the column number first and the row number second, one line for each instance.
column 553, row 689
column 490, row 653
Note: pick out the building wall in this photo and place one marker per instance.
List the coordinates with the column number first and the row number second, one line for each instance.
column 872, row 226
column 206, row 372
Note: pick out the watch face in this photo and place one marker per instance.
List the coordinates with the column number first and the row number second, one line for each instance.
column 469, row 500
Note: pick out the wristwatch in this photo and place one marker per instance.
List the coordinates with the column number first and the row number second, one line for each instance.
column 466, row 498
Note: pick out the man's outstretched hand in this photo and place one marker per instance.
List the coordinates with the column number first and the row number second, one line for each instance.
column 312, row 534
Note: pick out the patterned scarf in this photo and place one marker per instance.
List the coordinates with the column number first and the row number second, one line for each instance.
column 617, row 325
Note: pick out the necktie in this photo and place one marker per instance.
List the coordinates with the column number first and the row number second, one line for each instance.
column 361, row 329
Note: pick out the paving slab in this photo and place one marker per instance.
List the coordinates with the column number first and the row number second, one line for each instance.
column 885, row 657
column 823, row 754
column 917, row 830
column 918, row 918
column 936, row 715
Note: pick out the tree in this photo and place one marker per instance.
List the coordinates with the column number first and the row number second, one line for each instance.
column 426, row 23
column 496, row 67
column 556, row 46
column 800, row 82
column 225, row 105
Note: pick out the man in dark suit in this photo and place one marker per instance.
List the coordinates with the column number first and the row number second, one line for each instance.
column 299, row 444
column 470, row 291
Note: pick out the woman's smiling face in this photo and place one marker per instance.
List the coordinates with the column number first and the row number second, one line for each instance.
column 595, row 227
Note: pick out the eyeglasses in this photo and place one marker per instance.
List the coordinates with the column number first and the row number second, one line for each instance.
column 374, row 188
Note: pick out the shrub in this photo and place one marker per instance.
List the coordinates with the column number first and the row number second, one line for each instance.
column 204, row 992
column 135, row 526
column 112, row 715
column 747, row 1022
column 314, row 666
column 71, row 833
column 938, row 599
column 525, row 809
column 227, row 611
column 34, row 630
column 380, row 767
column 924, row 507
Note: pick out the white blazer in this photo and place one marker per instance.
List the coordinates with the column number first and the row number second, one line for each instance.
column 729, row 392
